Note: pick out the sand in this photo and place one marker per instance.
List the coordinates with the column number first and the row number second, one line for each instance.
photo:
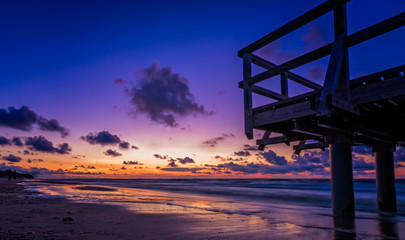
column 26, row 215
column 30, row 217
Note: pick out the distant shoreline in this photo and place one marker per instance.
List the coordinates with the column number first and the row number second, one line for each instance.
column 34, row 217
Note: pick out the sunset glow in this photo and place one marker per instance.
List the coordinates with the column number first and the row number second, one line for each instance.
column 149, row 90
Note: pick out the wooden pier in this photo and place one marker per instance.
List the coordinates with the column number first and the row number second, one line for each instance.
column 369, row 110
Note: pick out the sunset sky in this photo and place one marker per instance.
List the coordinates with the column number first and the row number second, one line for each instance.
column 87, row 87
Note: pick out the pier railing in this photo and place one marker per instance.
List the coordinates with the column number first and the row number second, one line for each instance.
column 338, row 92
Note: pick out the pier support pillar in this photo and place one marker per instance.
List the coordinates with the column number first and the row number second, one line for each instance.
column 340, row 150
column 385, row 177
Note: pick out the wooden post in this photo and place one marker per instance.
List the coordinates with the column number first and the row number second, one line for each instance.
column 247, row 93
column 341, row 171
column 284, row 83
column 385, row 177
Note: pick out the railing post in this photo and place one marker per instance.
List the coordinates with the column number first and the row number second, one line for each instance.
column 284, row 83
column 247, row 94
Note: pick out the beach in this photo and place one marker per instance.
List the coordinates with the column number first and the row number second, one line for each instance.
column 26, row 214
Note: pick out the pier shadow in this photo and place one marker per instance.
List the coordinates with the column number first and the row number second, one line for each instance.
column 387, row 226
column 343, row 229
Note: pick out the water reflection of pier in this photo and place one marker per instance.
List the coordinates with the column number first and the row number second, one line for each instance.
column 368, row 110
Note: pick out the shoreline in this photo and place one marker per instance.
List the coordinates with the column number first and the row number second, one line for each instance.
column 27, row 215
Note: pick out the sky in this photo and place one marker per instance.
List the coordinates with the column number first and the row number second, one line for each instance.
column 150, row 88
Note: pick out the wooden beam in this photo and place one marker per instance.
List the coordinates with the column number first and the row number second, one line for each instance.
column 376, row 30
column 266, row 135
column 273, row 140
column 358, row 82
column 298, row 151
column 355, row 38
column 291, row 26
column 333, row 73
column 310, row 146
column 247, row 93
column 294, row 63
column 308, row 127
column 378, row 91
column 289, row 101
column 284, row 83
column 267, row 93
column 292, row 76
column 302, row 109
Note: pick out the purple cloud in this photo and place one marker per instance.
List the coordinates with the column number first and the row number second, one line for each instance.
column 163, row 96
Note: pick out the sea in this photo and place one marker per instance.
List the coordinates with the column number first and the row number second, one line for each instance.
column 303, row 202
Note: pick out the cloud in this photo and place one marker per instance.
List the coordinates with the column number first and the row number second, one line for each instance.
column 242, row 153
column 124, row 145
column 163, row 96
column 124, row 168
column 112, row 153
column 130, row 162
column 24, row 119
column 313, row 37
column 399, row 154
column 119, row 81
column 251, row 169
column 34, row 160
column 248, row 147
column 4, row 141
column 21, row 119
column 185, row 160
column 172, row 163
column 41, row 144
column 229, row 159
column 181, row 169
column 12, row 158
column 359, row 164
column 134, row 147
column 363, row 150
column 313, row 157
column 103, row 138
column 160, row 156
column 215, row 141
column 272, row 158
column 46, row 172
column 17, row 141
column 52, row 126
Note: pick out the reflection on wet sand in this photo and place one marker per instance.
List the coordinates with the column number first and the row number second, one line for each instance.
column 388, row 226
column 343, row 228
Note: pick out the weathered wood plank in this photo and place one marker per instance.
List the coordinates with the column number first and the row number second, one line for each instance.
column 273, row 140
column 291, row 26
column 376, row 30
column 301, row 109
column 355, row 38
column 310, row 146
column 247, row 93
column 333, row 74
column 358, row 82
column 289, row 101
column 379, row 91
column 294, row 63
column 298, row 151
column 292, row 76
column 267, row 93
column 308, row 127
column 284, row 83
column 266, row 135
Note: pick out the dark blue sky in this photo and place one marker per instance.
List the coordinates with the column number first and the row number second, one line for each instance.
column 61, row 58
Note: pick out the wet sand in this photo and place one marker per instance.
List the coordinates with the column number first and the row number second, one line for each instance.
column 23, row 215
